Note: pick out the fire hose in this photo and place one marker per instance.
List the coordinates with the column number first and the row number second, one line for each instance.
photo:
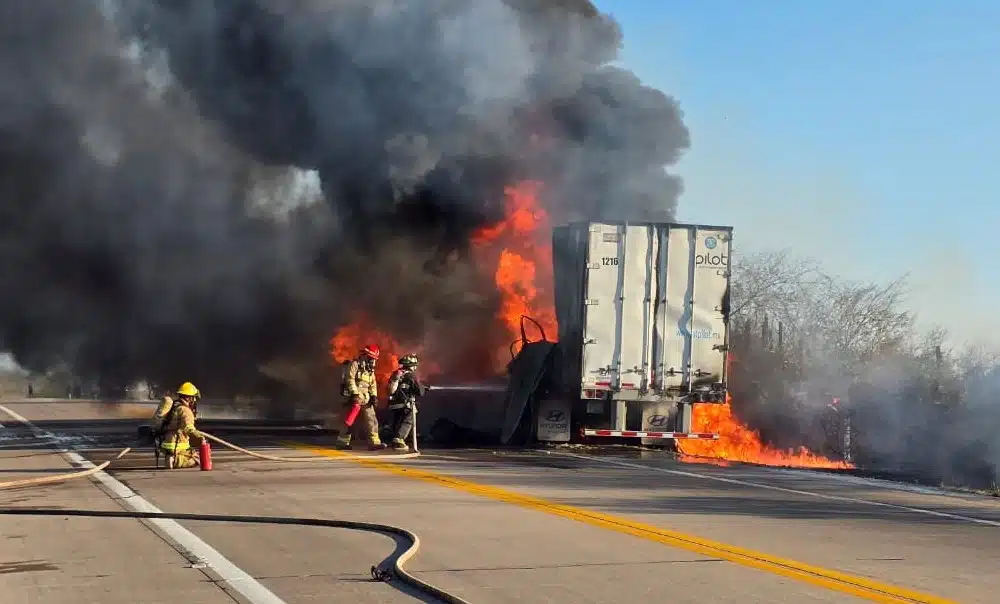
column 378, row 574
column 43, row 480
column 304, row 458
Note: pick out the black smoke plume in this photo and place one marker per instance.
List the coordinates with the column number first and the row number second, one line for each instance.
column 151, row 226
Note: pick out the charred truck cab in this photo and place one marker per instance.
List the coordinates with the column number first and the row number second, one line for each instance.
column 643, row 312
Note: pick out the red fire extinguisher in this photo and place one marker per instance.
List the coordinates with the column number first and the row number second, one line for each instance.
column 205, row 455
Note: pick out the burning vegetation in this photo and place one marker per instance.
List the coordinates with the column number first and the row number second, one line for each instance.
column 739, row 443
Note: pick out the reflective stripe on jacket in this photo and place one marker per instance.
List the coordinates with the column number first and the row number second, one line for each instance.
column 361, row 383
column 180, row 430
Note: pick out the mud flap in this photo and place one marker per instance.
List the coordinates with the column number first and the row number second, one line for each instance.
column 526, row 373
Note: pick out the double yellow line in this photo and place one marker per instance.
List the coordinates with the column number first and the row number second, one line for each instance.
column 867, row 589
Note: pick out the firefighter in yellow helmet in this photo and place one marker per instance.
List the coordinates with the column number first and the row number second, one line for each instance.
column 187, row 388
column 179, row 432
column 361, row 394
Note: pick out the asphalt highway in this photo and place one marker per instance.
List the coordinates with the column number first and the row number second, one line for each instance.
column 559, row 526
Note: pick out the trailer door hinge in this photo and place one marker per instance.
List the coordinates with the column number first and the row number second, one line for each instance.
column 590, row 302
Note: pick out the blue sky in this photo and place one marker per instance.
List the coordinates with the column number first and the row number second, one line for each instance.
column 860, row 132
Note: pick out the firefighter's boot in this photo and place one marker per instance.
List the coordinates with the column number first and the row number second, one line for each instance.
column 399, row 445
column 343, row 442
column 374, row 444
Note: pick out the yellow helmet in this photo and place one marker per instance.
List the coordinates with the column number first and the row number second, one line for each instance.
column 188, row 389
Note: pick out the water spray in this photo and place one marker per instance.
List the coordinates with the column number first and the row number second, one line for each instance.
column 469, row 387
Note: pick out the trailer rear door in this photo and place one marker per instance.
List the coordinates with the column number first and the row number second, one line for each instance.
column 619, row 300
column 690, row 316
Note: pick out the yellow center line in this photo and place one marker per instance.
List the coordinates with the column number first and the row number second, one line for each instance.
column 860, row 587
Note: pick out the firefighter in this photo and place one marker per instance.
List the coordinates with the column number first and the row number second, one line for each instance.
column 185, row 389
column 178, row 432
column 404, row 390
column 361, row 394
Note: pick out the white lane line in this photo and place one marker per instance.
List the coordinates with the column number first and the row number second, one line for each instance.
column 235, row 577
column 747, row 483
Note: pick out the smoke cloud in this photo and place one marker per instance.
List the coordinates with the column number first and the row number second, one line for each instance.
column 844, row 369
column 153, row 154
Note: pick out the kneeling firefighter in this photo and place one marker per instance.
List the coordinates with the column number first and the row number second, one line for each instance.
column 404, row 391
column 360, row 392
column 179, row 432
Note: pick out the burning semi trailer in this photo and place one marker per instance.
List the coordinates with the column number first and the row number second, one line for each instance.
column 616, row 332
column 642, row 310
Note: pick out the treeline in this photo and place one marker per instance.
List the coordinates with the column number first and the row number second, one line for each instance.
column 842, row 368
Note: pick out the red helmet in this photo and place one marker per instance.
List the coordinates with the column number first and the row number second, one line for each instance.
column 371, row 350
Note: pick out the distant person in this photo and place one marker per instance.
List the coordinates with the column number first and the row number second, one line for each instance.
column 31, row 391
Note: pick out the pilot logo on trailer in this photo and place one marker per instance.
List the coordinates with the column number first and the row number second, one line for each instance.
column 555, row 415
column 710, row 260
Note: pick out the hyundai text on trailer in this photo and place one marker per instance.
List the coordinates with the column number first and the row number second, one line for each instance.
column 643, row 314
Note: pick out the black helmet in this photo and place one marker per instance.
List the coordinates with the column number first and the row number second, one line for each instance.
column 409, row 361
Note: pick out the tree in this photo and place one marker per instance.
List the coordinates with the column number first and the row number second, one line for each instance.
column 915, row 401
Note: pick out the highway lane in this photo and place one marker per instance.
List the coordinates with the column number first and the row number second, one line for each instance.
column 57, row 561
column 521, row 527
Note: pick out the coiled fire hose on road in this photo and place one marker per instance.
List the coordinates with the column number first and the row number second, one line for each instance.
column 378, row 574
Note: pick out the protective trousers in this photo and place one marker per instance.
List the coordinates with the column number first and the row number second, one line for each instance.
column 402, row 424
column 182, row 457
column 369, row 423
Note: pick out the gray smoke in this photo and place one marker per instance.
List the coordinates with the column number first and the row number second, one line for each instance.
column 916, row 408
column 151, row 150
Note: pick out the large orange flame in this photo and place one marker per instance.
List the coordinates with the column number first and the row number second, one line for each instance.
column 347, row 343
column 741, row 444
column 516, row 254
column 520, row 250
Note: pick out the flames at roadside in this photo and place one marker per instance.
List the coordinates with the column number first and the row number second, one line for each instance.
column 516, row 253
column 738, row 443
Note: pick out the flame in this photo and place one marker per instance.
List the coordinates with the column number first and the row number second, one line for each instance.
column 516, row 254
column 520, row 250
column 738, row 443
column 347, row 343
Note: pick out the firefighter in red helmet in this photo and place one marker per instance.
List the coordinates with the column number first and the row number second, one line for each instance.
column 360, row 396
